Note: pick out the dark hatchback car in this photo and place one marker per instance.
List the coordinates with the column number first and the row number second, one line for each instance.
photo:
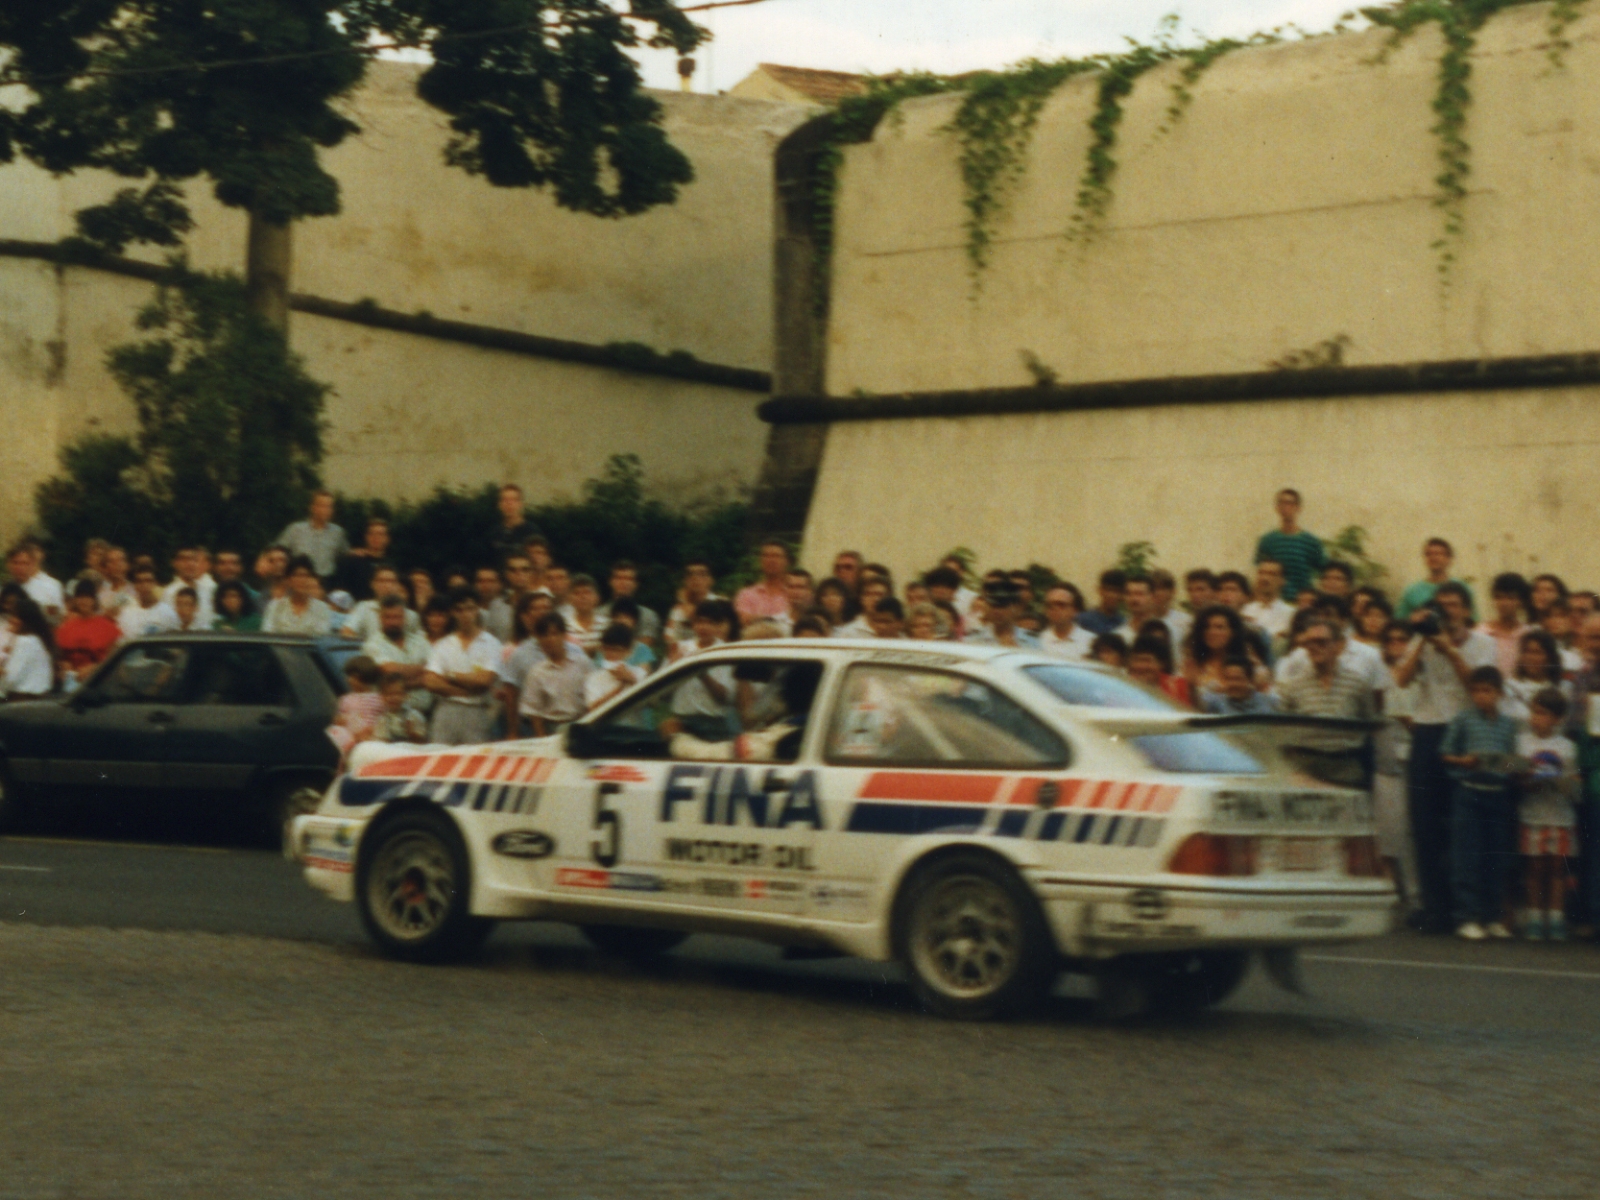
column 183, row 716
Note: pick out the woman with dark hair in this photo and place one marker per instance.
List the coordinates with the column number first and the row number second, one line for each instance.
column 437, row 619
column 30, row 670
column 1546, row 590
column 1373, row 612
column 838, row 603
column 1217, row 636
column 236, row 612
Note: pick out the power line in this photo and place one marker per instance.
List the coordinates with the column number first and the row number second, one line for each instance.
column 371, row 48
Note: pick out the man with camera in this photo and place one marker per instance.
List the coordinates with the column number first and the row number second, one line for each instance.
column 1440, row 658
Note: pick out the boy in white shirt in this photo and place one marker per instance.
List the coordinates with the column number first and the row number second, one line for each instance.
column 1269, row 610
column 554, row 692
column 612, row 673
column 147, row 612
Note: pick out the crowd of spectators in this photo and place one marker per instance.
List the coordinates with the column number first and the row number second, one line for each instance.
column 1473, row 730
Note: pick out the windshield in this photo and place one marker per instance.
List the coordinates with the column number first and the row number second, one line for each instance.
column 1197, row 753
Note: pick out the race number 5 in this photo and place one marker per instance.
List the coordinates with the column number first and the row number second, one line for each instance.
column 608, row 825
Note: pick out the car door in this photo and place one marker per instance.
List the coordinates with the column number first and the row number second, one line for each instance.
column 241, row 715
column 685, row 801
column 114, row 733
column 912, row 751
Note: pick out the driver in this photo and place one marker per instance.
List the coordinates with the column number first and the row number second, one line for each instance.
column 775, row 717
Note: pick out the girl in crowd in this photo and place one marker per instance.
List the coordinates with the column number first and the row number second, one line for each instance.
column 839, row 606
column 236, row 612
column 1373, row 613
column 30, row 670
column 1217, row 636
column 1547, row 589
column 1538, row 667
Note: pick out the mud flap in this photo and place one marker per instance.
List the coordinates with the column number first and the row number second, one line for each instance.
column 1283, row 966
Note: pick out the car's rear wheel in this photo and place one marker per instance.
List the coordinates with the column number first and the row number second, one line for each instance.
column 1189, row 981
column 972, row 939
column 632, row 941
column 1177, row 984
column 413, row 887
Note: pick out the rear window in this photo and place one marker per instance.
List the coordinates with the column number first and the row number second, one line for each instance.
column 1198, row 753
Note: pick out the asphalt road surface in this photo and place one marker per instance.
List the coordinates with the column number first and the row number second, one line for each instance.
column 182, row 1021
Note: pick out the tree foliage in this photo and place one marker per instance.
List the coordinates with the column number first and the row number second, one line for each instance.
column 229, row 431
column 247, row 93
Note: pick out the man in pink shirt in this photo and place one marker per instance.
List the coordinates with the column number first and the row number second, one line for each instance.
column 768, row 598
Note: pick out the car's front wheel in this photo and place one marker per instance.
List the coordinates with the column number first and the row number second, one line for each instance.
column 972, row 939
column 413, row 888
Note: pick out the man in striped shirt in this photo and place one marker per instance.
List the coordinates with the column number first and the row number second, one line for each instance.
column 1330, row 689
column 1299, row 551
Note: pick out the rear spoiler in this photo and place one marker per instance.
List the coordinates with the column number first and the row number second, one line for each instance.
column 1138, row 722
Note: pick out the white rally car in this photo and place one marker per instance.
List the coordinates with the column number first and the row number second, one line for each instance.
column 985, row 816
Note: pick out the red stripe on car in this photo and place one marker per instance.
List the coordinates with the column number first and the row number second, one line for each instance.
column 955, row 789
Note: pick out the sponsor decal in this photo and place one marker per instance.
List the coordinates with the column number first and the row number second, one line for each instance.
column 524, row 843
column 772, row 889
column 911, row 658
column 1140, row 929
column 618, row 773
column 340, row 866
column 617, row 881
column 740, row 796
column 702, row 851
column 824, row 895
column 1240, row 807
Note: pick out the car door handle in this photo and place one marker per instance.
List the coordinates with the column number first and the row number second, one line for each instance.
column 161, row 718
column 272, row 719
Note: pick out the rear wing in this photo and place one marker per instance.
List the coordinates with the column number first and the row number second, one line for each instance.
column 1140, row 722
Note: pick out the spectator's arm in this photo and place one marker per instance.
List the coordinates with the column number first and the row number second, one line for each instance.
column 1406, row 669
column 440, row 685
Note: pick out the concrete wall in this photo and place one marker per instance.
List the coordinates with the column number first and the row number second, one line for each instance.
column 1292, row 204
column 412, row 412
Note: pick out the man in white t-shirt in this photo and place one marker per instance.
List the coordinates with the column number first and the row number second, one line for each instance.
column 461, row 672
column 1063, row 637
column 26, row 564
column 1269, row 610
column 147, row 612
column 188, row 566
column 1446, row 651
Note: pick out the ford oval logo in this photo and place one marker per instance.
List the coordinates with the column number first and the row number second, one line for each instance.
column 524, row 843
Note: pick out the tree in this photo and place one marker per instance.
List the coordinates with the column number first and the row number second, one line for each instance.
column 230, row 431
column 539, row 93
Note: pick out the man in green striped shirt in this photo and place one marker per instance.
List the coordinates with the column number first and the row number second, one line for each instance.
column 1299, row 551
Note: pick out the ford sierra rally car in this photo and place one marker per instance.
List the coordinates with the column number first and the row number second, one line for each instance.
column 986, row 817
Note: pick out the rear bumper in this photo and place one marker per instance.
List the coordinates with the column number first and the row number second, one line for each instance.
column 1100, row 919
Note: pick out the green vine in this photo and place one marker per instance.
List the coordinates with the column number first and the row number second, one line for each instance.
column 994, row 125
column 995, row 121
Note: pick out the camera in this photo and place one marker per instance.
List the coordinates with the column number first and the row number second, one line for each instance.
column 1430, row 624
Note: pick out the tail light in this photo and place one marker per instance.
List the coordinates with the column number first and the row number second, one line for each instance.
column 1214, row 854
column 1361, row 858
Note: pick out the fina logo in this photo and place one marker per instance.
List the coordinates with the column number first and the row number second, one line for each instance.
column 524, row 843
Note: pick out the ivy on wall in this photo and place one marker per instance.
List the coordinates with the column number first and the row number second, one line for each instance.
column 999, row 110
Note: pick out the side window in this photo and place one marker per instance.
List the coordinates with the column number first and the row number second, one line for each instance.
column 146, row 674
column 903, row 716
column 244, row 675
column 753, row 709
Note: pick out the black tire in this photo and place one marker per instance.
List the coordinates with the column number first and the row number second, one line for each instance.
column 1185, row 983
column 972, row 939
column 13, row 804
column 413, row 886
column 287, row 799
column 632, row 941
